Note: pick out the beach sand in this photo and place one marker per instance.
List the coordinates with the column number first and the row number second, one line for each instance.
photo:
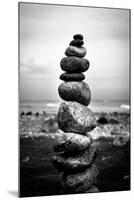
column 39, row 177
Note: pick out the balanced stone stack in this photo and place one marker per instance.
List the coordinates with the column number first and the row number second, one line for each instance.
column 74, row 153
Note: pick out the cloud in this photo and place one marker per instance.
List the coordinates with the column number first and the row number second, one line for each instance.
column 32, row 68
column 45, row 33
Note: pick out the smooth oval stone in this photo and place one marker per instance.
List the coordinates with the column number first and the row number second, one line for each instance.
column 77, row 43
column 76, row 51
column 78, row 36
column 71, row 142
column 80, row 182
column 74, row 64
column 77, row 162
column 72, row 77
column 75, row 117
column 75, row 91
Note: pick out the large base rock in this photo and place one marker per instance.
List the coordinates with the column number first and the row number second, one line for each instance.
column 75, row 117
column 79, row 182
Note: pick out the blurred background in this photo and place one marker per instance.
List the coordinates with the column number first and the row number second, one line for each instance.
column 45, row 33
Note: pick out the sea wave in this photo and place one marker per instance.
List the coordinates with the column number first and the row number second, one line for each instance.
column 125, row 106
column 52, row 105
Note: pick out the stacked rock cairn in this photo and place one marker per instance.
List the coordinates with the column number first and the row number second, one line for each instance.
column 74, row 152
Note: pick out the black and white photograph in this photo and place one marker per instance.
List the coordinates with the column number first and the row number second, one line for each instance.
column 74, row 99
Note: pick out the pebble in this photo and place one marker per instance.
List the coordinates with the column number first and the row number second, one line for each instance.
column 121, row 140
column 71, row 142
column 93, row 189
column 77, row 162
column 75, row 91
column 72, row 77
column 26, row 159
column 78, row 36
column 75, row 117
column 73, row 64
column 75, row 51
column 76, row 43
column 80, row 182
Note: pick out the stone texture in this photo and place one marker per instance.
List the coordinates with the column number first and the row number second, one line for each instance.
column 73, row 64
column 75, row 117
column 71, row 142
column 72, row 77
column 74, row 153
column 121, row 140
column 78, row 36
column 76, row 42
column 75, row 162
column 79, row 182
column 75, row 91
column 75, row 51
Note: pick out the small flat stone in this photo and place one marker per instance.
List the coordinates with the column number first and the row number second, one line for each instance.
column 78, row 36
column 71, row 142
column 75, row 117
column 75, row 51
column 73, row 64
column 76, row 43
column 78, row 162
column 72, row 77
column 80, row 182
column 75, row 91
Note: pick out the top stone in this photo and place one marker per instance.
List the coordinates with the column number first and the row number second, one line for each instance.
column 78, row 36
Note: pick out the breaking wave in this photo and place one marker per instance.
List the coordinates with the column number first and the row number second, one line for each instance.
column 125, row 106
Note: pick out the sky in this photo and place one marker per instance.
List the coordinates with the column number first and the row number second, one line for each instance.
column 45, row 33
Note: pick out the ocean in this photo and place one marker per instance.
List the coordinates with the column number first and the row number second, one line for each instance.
column 51, row 107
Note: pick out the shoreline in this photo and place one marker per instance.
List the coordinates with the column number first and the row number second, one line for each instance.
column 108, row 124
column 52, row 107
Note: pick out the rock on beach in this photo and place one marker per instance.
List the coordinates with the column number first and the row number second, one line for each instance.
column 71, row 142
column 73, row 64
column 75, row 162
column 75, row 91
column 121, row 140
column 75, row 117
column 80, row 182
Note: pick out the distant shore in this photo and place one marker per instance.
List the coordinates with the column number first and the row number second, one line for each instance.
column 51, row 107
column 108, row 124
